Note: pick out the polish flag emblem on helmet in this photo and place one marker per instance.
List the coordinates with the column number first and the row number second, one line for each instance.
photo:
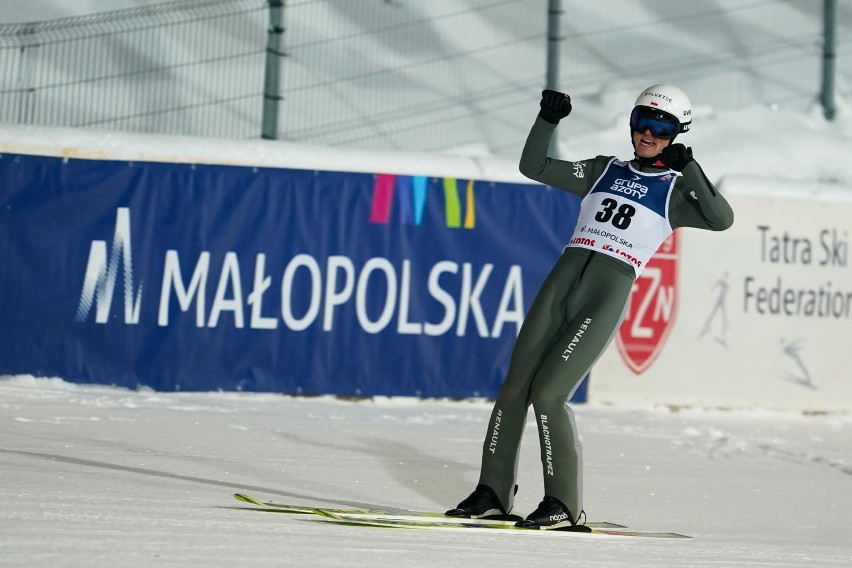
column 651, row 309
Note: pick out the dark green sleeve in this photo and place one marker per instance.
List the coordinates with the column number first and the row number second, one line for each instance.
column 573, row 177
column 696, row 203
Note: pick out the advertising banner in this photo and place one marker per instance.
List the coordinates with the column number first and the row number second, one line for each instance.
column 759, row 315
column 197, row 277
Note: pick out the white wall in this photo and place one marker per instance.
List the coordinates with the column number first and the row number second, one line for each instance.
column 783, row 345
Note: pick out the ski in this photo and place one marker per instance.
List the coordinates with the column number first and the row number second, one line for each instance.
column 270, row 506
column 380, row 514
column 294, row 509
column 483, row 525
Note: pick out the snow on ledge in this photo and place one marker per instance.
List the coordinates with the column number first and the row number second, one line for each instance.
column 81, row 143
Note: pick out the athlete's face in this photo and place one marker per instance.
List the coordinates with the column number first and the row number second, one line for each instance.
column 646, row 145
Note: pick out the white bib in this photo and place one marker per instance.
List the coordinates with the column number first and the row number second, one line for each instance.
column 625, row 215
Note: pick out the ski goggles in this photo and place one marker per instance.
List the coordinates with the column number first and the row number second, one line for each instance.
column 661, row 124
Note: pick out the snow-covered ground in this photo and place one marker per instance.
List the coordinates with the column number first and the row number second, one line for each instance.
column 100, row 476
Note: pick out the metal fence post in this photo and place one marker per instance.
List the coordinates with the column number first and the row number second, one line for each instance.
column 554, row 45
column 26, row 107
column 271, row 83
column 828, row 55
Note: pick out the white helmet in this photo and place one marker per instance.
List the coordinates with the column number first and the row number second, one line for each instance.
column 670, row 100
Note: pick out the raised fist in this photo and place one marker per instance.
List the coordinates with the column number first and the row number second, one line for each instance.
column 676, row 156
column 554, row 106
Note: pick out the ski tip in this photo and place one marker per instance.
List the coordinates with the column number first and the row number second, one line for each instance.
column 247, row 499
column 327, row 513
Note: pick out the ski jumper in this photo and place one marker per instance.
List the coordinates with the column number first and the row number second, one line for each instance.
column 626, row 213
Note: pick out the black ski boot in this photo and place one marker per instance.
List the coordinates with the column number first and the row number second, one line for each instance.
column 553, row 514
column 482, row 504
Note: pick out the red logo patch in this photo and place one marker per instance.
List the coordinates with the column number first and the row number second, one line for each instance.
column 651, row 309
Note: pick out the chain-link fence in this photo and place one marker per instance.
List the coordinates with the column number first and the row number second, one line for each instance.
column 190, row 67
column 406, row 74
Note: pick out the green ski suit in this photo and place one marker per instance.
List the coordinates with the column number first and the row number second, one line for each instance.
column 583, row 296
